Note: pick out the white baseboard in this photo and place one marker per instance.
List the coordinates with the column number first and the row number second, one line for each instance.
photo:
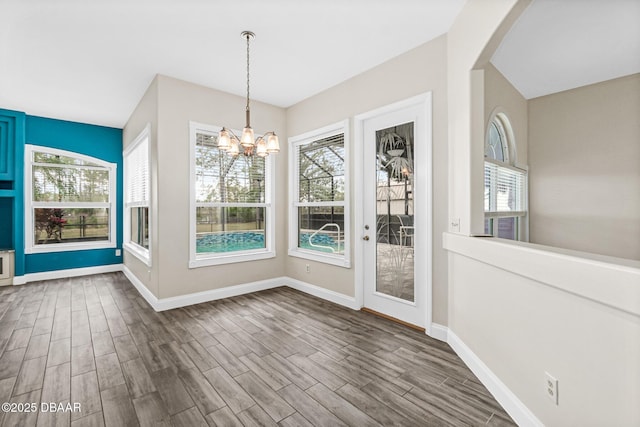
column 162, row 304
column 509, row 401
column 142, row 289
column 19, row 280
column 61, row 274
column 325, row 294
column 216, row 294
column 439, row 332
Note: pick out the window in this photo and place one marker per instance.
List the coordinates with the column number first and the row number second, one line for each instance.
column 136, row 194
column 505, row 186
column 231, row 208
column 69, row 201
column 319, row 217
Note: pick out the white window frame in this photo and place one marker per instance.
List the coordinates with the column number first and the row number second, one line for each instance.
column 344, row 259
column 505, row 130
column 30, row 204
column 143, row 254
column 203, row 260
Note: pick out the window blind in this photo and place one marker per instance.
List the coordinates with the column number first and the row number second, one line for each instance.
column 137, row 175
column 504, row 189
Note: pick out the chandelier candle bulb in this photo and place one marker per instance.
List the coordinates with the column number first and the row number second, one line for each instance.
column 224, row 141
column 273, row 146
column 234, row 150
column 261, row 148
column 247, row 140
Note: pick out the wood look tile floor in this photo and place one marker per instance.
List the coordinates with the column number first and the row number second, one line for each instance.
column 272, row 358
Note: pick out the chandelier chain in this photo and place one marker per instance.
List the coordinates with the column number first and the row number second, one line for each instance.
column 248, row 37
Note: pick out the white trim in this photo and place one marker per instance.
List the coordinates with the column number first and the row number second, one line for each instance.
column 143, row 254
column 19, row 280
column 423, row 269
column 232, row 205
column 204, row 260
column 29, row 204
column 231, row 291
column 358, row 220
column 231, row 257
column 507, row 399
column 340, row 260
column 66, row 247
column 325, row 257
column 499, row 114
column 142, row 289
column 325, row 294
column 439, row 332
column 162, row 304
column 62, row 274
column 578, row 273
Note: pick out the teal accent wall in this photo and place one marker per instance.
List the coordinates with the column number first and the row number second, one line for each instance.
column 96, row 141
column 18, row 129
column 12, row 133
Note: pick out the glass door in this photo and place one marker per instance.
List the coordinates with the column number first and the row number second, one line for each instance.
column 392, row 232
column 395, row 228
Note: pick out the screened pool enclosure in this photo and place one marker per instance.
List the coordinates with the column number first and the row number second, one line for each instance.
column 321, row 194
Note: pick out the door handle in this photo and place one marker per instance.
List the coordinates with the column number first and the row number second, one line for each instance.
column 365, row 238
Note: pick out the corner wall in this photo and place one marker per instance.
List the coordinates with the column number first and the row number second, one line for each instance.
column 178, row 103
column 584, row 157
column 146, row 112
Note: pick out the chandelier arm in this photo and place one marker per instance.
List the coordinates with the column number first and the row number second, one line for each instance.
column 232, row 134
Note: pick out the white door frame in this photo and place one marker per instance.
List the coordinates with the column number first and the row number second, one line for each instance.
column 423, row 199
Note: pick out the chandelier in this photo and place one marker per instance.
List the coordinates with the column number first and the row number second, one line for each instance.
column 250, row 145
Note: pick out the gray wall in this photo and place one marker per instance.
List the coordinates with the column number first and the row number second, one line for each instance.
column 418, row 71
column 584, row 178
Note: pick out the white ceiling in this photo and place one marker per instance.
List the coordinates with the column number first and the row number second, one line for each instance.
column 91, row 60
column 558, row 45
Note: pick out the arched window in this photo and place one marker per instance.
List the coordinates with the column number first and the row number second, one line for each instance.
column 505, row 185
column 496, row 146
column 70, row 201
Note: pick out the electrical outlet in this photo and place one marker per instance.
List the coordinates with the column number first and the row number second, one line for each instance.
column 551, row 385
column 455, row 224
column 308, row 268
column 118, row 252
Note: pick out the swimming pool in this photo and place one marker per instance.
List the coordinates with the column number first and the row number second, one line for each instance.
column 230, row 242
column 247, row 240
column 325, row 242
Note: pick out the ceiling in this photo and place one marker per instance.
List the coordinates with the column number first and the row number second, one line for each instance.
column 91, row 61
column 558, row 45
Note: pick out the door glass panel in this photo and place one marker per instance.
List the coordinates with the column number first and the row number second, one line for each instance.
column 394, row 211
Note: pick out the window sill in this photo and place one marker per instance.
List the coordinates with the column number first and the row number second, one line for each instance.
column 220, row 259
column 139, row 252
column 68, row 247
column 339, row 260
